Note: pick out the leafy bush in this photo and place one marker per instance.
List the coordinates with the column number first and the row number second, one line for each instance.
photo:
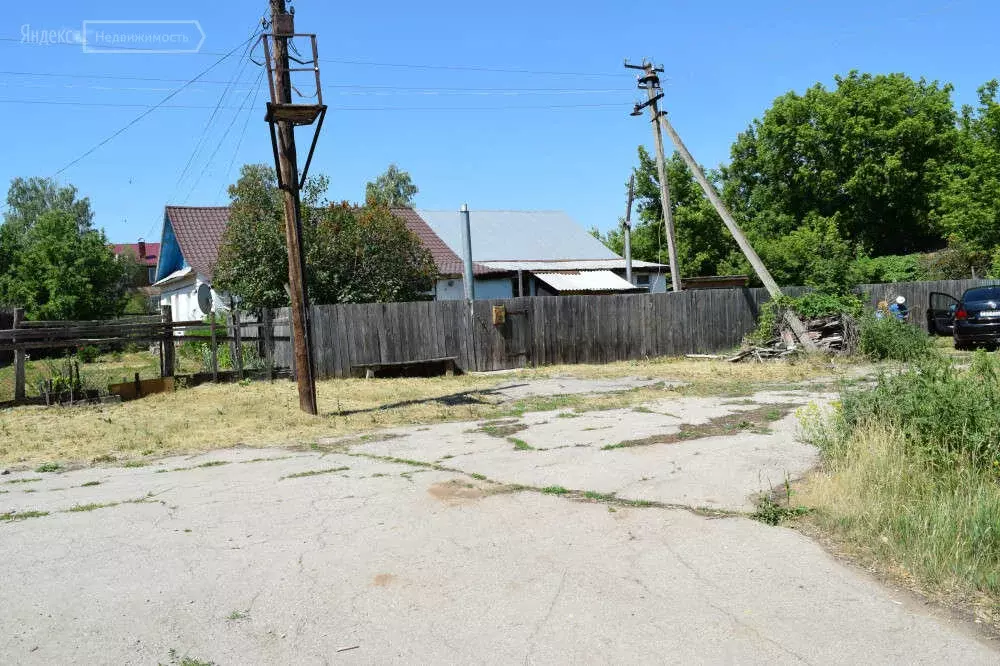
column 87, row 354
column 948, row 417
column 891, row 339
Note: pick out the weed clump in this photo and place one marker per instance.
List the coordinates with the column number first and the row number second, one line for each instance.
column 911, row 478
column 891, row 339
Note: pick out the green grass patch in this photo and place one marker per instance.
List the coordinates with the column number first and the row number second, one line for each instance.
column 31, row 480
column 315, row 472
column 555, row 490
column 88, row 484
column 520, row 444
column 48, row 467
column 91, row 507
column 21, row 515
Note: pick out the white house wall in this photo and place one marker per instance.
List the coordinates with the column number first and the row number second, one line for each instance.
column 183, row 300
column 452, row 289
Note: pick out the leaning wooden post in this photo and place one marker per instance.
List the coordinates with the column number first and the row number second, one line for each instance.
column 215, row 346
column 19, row 360
column 167, row 344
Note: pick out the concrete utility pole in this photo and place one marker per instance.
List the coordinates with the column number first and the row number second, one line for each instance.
column 734, row 229
column 468, row 273
column 281, row 24
column 627, row 229
column 650, row 82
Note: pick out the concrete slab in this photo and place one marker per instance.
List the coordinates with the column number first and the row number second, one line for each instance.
column 234, row 564
column 575, row 385
column 725, row 472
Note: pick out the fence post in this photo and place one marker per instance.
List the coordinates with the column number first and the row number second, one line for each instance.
column 215, row 346
column 167, row 344
column 266, row 331
column 238, row 344
column 19, row 360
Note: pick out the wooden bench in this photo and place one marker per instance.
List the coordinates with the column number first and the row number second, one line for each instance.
column 447, row 363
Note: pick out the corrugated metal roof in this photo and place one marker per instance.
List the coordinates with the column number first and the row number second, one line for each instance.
column 447, row 262
column 585, row 281
column 508, row 235
column 577, row 265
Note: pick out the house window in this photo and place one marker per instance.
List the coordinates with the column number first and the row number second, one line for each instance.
column 152, row 274
column 642, row 282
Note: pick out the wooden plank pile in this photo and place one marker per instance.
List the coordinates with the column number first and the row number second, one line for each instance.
column 833, row 334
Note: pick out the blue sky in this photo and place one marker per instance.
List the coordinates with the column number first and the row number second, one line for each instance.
column 520, row 138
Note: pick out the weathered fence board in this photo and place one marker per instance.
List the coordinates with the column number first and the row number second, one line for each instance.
column 556, row 330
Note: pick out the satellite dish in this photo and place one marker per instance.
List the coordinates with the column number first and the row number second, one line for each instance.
column 205, row 298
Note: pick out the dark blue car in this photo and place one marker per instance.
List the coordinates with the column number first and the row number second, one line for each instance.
column 977, row 318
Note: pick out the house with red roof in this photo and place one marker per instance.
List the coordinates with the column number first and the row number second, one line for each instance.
column 146, row 254
column 516, row 253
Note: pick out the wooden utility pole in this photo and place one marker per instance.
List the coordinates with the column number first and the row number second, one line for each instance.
column 288, row 175
column 650, row 82
column 627, row 228
column 734, row 229
column 19, row 360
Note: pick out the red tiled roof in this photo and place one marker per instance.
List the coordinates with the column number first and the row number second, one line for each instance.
column 152, row 252
column 199, row 231
column 448, row 263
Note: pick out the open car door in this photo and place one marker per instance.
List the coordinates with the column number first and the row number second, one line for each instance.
column 941, row 313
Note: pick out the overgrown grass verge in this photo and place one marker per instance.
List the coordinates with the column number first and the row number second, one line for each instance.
column 911, row 480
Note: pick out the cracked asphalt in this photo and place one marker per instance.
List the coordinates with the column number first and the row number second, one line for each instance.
column 447, row 544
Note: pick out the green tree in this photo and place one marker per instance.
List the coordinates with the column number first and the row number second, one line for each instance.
column 969, row 207
column 53, row 262
column 703, row 242
column 352, row 255
column 873, row 152
column 366, row 255
column 393, row 189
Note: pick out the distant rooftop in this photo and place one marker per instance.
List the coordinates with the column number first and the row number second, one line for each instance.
column 510, row 235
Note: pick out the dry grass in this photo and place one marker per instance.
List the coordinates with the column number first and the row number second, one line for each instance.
column 267, row 414
column 108, row 369
column 935, row 531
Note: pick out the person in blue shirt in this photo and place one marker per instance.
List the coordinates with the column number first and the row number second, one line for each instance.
column 899, row 310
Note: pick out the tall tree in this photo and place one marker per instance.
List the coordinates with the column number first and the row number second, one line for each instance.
column 53, row 262
column 703, row 242
column 393, row 189
column 969, row 207
column 352, row 255
column 873, row 152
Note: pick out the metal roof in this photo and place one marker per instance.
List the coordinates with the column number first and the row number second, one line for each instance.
column 572, row 265
column 448, row 263
column 585, row 281
column 508, row 235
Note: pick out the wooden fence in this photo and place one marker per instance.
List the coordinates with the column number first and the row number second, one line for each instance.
column 554, row 330
column 240, row 331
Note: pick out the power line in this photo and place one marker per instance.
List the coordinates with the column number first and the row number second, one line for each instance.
column 245, row 105
column 368, row 63
column 466, row 68
column 243, row 134
column 506, row 107
column 352, row 86
column 204, row 130
column 150, row 109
